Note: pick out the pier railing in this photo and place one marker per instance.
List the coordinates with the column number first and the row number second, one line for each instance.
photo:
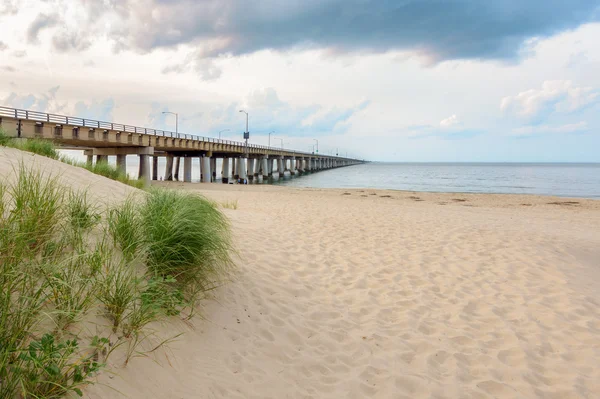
column 95, row 124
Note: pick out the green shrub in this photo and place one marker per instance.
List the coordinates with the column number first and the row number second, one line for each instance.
column 45, row 148
column 188, row 238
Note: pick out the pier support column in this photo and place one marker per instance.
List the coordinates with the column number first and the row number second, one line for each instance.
column 250, row 169
column 292, row 166
column 200, row 168
column 257, row 168
column 169, row 168
column 241, row 170
column 144, row 171
column 213, row 168
column 122, row 163
column 281, row 166
column 101, row 158
column 177, row 165
column 265, row 168
column 271, row 164
column 236, row 168
column 154, row 166
column 206, row 172
column 90, row 159
column 225, row 175
column 187, row 169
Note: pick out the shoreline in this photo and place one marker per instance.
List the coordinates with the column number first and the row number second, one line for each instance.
column 483, row 199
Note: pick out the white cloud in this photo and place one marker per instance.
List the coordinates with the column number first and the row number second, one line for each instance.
column 546, row 129
column 555, row 95
column 450, row 121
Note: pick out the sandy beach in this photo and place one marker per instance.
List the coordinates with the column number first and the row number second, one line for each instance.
column 362, row 293
column 378, row 294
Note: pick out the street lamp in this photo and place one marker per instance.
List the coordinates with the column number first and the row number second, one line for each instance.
column 317, row 145
column 246, row 133
column 277, row 138
column 270, row 137
column 176, row 119
column 224, row 130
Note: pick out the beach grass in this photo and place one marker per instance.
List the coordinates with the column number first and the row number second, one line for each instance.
column 62, row 258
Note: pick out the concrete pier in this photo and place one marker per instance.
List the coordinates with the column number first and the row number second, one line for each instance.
column 177, row 165
column 154, row 167
column 281, row 166
column 236, row 170
column 90, row 159
column 169, row 168
column 225, row 176
column 101, row 158
column 144, row 170
column 213, row 168
column 271, row 166
column 250, row 169
column 206, row 175
column 265, row 168
column 242, row 169
column 122, row 163
column 187, row 169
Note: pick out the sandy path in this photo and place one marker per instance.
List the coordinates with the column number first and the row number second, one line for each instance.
column 355, row 296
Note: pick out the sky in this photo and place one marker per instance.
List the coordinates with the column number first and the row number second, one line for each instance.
column 383, row 80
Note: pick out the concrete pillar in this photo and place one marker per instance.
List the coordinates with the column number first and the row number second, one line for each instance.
column 225, row 176
column 187, row 169
column 169, row 168
column 265, row 168
column 236, row 170
column 213, row 168
column 271, row 164
column 258, row 167
column 101, row 158
column 250, row 168
column 154, row 166
column 292, row 166
column 299, row 166
column 281, row 166
column 90, row 159
column 144, row 174
column 177, row 165
column 241, row 170
column 122, row 163
column 206, row 175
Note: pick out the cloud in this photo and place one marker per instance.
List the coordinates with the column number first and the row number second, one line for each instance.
column 3, row 46
column 450, row 121
column 8, row 68
column 45, row 102
column 439, row 30
column 20, row 53
column 537, row 130
column 8, row 7
column 41, row 22
column 554, row 96
column 99, row 110
column 206, row 69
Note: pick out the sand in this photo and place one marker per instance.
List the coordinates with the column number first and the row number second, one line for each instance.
column 354, row 294
column 375, row 294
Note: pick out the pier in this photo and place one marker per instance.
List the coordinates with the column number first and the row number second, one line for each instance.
column 102, row 139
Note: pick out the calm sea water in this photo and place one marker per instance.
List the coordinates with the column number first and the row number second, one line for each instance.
column 560, row 179
column 567, row 180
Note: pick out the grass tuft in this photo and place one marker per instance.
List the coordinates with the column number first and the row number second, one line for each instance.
column 230, row 204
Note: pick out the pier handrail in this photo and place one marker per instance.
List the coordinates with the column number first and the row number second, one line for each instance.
column 38, row 116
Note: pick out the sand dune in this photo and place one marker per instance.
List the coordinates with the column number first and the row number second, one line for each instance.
column 361, row 295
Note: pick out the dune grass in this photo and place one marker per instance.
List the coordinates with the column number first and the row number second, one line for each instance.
column 230, row 204
column 188, row 239
column 62, row 258
column 37, row 146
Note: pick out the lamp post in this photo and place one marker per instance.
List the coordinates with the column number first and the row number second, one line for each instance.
column 270, row 137
column 277, row 138
column 317, row 145
column 224, row 130
column 176, row 119
column 246, row 133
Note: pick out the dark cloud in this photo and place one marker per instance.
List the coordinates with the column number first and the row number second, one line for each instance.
column 41, row 22
column 440, row 29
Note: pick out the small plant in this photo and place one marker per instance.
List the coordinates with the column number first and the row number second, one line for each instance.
column 82, row 215
column 230, row 204
column 124, row 226
column 51, row 370
column 118, row 290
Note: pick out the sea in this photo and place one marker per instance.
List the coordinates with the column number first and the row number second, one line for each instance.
column 580, row 180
